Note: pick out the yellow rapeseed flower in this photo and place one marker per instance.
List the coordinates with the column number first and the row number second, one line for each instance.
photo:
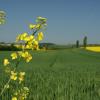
column 6, row 62
column 27, row 47
column 28, row 58
column 14, row 56
column 13, row 75
column 32, row 26
column 40, row 36
column 36, row 42
column 14, row 98
column 25, row 55
column 21, row 76
column 23, row 35
column 36, row 46
column 38, row 26
column 18, row 38
column 29, row 38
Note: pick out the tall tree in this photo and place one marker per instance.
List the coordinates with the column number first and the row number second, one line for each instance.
column 77, row 44
column 85, row 41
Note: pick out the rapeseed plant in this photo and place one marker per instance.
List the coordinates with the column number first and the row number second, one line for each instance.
column 30, row 42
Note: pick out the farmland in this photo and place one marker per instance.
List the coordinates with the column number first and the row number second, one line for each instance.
column 71, row 74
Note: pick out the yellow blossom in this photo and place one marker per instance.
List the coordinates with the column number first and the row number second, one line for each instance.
column 29, row 38
column 23, row 35
column 31, row 26
column 35, row 42
column 36, row 46
column 25, row 55
column 38, row 26
column 14, row 98
column 18, row 38
column 13, row 75
column 6, row 62
column 27, row 46
column 21, row 76
column 40, row 36
column 28, row 58
column 14, row 55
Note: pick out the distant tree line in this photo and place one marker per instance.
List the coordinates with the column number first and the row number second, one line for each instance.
column 84, row 42
column 8, row 47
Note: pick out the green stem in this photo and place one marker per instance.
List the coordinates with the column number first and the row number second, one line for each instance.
column 17, row 63
column 5, row 87
column 34, row 32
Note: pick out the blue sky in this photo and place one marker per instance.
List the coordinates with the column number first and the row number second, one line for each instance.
column 68, row 20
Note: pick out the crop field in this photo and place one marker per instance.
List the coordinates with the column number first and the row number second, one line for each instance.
column 71, row 74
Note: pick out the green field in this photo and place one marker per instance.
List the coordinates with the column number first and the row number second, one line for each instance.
column 72, row 74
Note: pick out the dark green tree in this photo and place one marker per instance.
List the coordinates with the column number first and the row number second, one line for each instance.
column 77, row 44
column 85, row 41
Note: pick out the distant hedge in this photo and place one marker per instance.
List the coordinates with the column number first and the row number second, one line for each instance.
column 8, row 48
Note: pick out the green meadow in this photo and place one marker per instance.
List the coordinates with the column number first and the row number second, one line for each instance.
column 70, row 74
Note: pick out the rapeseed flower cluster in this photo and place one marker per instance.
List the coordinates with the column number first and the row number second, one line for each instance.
column 14, row 76
column 6, row 62
column 31, row 42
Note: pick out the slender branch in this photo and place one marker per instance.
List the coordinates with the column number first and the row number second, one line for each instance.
column 5, row 87
column 34, row 32
column 17, row 63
